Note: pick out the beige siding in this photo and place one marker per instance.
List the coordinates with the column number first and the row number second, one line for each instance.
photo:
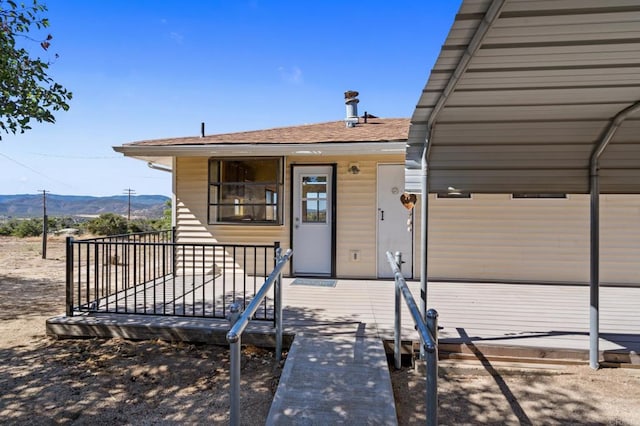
column 356, row 211
column 494, row 237
column 489, row 237
column 620, row 238
column 191, row 200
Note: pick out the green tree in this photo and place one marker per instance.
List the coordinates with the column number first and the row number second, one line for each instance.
column 7, row 227
column 108, row 224
column 26, row 90
column 28, row 228
column 165, row 222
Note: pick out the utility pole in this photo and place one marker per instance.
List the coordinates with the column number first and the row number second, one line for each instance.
column 129, row 191
column 45, row 223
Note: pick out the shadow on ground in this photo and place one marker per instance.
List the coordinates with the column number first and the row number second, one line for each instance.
column 121, row 382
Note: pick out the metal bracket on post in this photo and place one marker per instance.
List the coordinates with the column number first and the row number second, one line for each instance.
column 235, row 311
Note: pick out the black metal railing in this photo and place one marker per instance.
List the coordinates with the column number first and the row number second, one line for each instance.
column 149, row 273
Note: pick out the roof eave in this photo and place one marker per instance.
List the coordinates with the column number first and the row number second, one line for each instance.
column 242, row 150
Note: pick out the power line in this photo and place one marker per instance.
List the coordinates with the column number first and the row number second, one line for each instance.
column 78, row 157
column 35, row 171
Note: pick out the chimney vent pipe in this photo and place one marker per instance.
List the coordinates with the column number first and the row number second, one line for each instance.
column 351, row 101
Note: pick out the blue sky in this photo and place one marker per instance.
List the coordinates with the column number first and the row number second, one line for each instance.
column 154, row 69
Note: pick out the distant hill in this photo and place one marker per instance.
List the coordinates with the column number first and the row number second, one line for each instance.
column 30, row 205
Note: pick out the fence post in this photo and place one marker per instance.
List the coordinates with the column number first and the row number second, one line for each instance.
column 173, row 252
column 398, row 320
column 278, row 302
column 432, row 370
column 69, row 277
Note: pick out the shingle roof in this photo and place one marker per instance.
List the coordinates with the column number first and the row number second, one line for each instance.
column 375, row 130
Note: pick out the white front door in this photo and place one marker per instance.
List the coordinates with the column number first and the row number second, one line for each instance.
column 312, row 220
column 395, row 230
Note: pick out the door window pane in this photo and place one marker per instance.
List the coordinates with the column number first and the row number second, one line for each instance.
column 314, row 199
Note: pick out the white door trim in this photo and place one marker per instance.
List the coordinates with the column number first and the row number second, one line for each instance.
column 313, row 242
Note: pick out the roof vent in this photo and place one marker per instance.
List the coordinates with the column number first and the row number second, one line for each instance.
column 351, row 100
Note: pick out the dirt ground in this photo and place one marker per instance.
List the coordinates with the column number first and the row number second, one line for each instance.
column 114, row 381
column 107, row 381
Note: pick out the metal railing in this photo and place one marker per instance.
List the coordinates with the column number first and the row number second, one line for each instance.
column 151, row 274
column 428, row 331
column 234, row 336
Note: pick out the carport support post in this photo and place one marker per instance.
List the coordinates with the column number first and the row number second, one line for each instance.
column 594, row 286
column 424, row 225
column 594, row 171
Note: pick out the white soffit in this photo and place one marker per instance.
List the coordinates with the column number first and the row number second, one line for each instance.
column 534, row 99
column 149, row 152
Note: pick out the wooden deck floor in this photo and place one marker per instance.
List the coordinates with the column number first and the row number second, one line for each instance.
column 547, row 317
column 538, row 320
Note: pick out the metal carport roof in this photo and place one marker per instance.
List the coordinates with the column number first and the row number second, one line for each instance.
column 536, row 96
column 523, row 92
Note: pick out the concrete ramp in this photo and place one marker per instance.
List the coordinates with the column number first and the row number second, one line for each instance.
column 330, row 380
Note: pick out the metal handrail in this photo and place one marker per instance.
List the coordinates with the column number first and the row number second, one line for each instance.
column 427, row 330
column 234, row 336
column 129, row 235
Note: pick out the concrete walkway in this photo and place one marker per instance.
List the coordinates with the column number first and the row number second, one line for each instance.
column 334, row 380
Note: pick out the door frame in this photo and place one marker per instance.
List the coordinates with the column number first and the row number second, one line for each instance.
column 334, row 216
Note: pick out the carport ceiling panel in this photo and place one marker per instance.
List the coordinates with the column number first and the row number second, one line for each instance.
column 546, row 73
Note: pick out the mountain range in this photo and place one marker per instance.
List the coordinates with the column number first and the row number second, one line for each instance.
column 29, row 205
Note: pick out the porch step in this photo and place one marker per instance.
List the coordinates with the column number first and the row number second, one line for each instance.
column 334, row 380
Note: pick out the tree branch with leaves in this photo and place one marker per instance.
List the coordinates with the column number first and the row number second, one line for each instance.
column 27, row 92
